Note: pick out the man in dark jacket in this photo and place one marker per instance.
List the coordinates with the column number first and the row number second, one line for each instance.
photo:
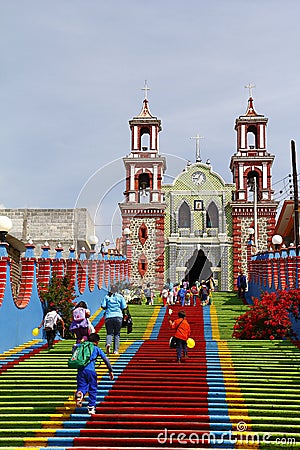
column 241, row 284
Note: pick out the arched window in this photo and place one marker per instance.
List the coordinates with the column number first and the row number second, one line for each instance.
column 184, row 216
column 212, row 216
column 144, row 181
column 145, row 139
column 142, row 265
column 253, row 185
column 144, row 188
column 251, row 137
column 143, row 233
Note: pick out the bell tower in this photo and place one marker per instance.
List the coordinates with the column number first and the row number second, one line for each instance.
column 143, row 209
column 253, row 207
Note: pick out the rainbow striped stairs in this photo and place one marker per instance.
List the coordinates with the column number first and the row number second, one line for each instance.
column 227, row 394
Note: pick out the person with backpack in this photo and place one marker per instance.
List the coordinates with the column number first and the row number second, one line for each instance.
column 165, row 295
column 210, row 286
column 86, row 374
column 170, row 286
column 204, row 294
column 80, row 324
column 114, row 304
column 50, row 325
column 148, row 294
column 182, row 333
column 181, row 295
column 194, row 293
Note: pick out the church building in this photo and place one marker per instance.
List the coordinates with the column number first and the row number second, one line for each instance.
column 197, row 225
column 143, row 210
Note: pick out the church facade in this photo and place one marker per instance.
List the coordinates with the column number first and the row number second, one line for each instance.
column 198, row 225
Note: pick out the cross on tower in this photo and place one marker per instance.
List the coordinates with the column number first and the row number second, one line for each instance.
column 145, row 88
column 250, row 87
column 197, row 138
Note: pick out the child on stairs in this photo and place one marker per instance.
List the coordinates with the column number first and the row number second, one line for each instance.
column 87, row 376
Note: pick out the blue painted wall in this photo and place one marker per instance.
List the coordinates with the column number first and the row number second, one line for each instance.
column 16, row 324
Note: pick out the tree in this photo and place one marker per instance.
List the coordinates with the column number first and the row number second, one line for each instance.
column 61, row 294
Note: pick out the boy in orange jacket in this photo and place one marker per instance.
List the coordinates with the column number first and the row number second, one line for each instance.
column 182, row 333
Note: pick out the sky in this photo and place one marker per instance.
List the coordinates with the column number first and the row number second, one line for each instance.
column 71, row 77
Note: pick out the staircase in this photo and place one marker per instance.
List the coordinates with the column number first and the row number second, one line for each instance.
column 227, row 394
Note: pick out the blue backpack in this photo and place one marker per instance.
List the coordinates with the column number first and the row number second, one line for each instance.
column 182, row 293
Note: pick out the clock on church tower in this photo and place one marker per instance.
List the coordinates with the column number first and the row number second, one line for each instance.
column 143, row 208
column 198, row 178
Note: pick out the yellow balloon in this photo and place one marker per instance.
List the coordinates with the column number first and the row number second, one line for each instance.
column 35, row 331
column 190, row 343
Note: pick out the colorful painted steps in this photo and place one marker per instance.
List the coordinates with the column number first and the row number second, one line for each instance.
column 152, row 386
column 47, row 368
column 228, row 391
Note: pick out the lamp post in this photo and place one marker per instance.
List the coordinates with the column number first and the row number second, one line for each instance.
column 127, row 253
column 253, row 188
column 250, row 249
column 93, row 241
column 277, row 275
column 126, row 233
column 92, row 264
column 296, row 196
column 5, row 227
column 277, row 241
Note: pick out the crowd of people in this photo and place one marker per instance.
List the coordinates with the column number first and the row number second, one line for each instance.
column 114, row 304
column 186, row 295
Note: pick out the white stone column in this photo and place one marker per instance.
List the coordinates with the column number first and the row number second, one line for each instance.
column 135, row 138
column 155, row 172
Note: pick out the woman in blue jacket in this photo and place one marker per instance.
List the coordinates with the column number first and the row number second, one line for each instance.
column 113, row 304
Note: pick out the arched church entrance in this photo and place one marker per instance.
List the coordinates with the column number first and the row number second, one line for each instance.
column 198, row 267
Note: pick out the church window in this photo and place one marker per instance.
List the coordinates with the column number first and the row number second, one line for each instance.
column 184, row 216
column 145, row 139
column 143, row 233
column 251, row 137
column 144, row 181
column 142, row 265
column 253, row 185
column 198, row 205
column 144, row 188
column 212, row 216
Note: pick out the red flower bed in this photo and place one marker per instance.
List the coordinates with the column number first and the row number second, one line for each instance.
column 269, row 317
